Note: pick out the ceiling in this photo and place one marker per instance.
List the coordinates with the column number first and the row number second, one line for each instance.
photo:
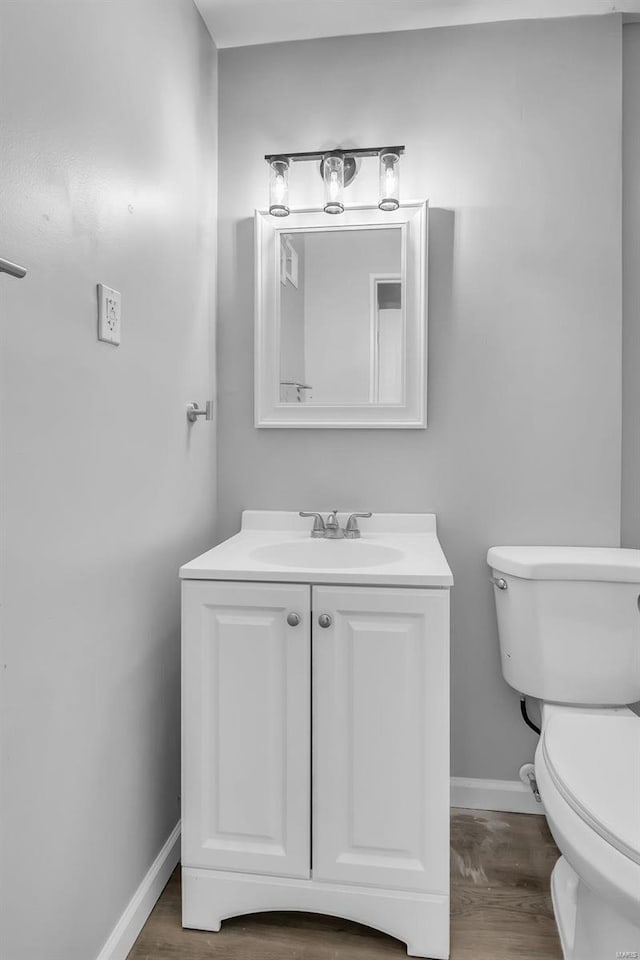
column 238, row 23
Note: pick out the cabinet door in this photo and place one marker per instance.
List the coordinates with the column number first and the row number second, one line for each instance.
column 381, row 738
column 245, row 707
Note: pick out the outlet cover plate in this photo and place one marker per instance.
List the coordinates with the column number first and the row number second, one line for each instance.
column 109, row 314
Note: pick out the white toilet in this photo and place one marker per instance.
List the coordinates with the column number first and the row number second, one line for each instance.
column 569, row 626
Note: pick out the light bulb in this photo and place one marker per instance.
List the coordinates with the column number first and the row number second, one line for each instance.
column 390, row 182
column 279, row 188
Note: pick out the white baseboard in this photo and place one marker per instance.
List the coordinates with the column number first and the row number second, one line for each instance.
column 509, row 796
column 124, row 934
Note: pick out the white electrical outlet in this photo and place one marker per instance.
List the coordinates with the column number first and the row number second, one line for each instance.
column 109, row 314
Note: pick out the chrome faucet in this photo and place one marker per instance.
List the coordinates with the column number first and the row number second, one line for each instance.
column 333, row 530
column 330, row 528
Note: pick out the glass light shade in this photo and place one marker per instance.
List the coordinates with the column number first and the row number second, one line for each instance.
column 333, row 174
column 389, row 181
column 279, row 187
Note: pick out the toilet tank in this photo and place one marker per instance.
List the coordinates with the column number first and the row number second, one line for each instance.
column 569, row 622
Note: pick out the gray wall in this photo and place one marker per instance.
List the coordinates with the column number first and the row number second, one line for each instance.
column 631, row 289
column 513, row 131
column 108, row 175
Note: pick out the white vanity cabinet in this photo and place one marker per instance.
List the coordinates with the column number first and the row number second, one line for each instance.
column 316, row 758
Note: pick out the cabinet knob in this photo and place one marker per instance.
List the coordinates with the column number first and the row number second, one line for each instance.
column 293, row 619
column 325, row 620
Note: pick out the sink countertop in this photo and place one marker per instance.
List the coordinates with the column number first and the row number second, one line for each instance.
column 421, row 562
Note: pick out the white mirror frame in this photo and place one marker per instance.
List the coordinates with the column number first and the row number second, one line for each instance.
column 269, row 411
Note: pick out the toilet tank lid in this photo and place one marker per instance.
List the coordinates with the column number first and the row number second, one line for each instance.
column 612, row 564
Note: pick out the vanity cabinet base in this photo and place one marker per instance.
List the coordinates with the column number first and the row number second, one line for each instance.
column 419, row 920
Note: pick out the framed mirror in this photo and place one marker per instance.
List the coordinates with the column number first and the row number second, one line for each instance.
column 341, row 318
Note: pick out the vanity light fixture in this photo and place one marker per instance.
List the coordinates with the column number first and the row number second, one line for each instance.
column 333, row 176
column 279, row 186
column 389, row 180
column 337, row 169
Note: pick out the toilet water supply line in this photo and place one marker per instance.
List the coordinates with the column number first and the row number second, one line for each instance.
column 527, row 770
column 525, row 716
column 528, row 777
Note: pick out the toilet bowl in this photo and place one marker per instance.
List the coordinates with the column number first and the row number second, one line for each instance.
column 569, row 628
column 588, row 773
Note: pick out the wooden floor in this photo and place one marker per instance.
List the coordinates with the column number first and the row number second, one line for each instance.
column 501, row 910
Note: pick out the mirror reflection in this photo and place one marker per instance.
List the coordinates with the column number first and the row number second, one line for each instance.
column 341, row 316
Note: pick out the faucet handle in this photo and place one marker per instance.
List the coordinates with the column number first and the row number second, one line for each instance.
column 318, row 529
column 352, row 531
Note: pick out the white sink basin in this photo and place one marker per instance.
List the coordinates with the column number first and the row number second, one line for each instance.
column 396, row 549
column 327, row 553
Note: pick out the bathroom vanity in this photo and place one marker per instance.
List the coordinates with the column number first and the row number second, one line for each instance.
column 315, row 698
